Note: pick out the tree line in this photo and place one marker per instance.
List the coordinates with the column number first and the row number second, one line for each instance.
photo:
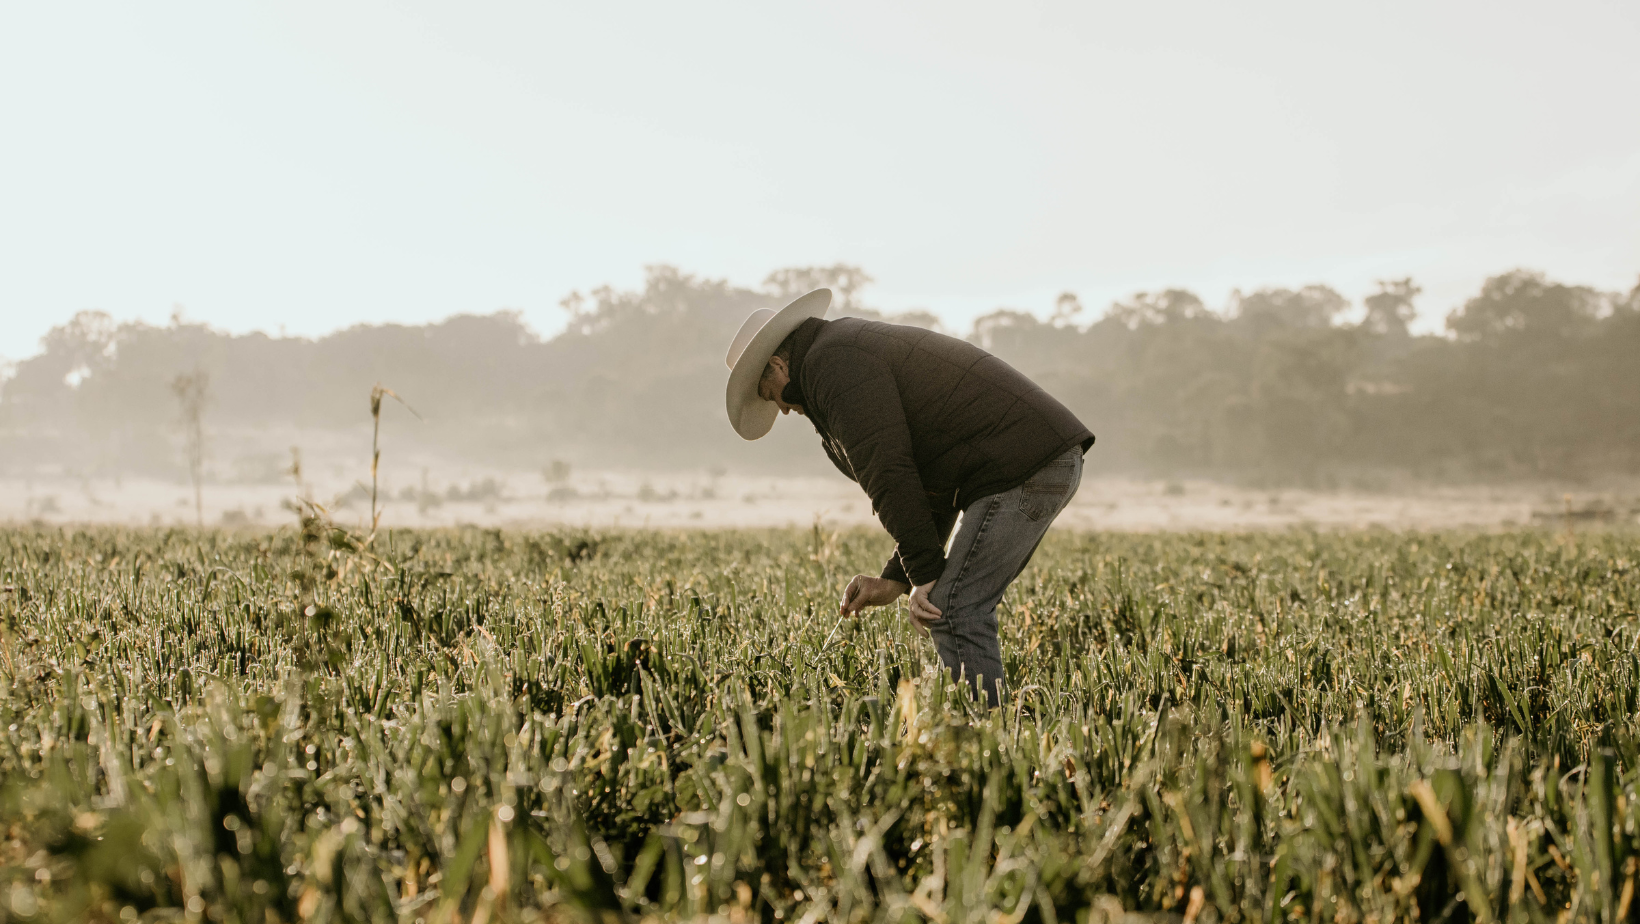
column 1530, row 379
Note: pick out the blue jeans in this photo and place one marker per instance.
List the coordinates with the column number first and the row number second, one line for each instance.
column 992, row 544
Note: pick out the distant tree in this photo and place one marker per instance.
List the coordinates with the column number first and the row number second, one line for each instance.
column 1536, row 381
column 1065, row 309
column 1172, row 306
column 82, row 346
column 1312, row 307
column 576, row 305
column 993, row 331
column 192, row 390
column 1523, row 302
column 844, row 281
column 1390, row 309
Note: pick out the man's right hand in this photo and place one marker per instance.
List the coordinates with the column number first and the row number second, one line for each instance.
column 867, row 591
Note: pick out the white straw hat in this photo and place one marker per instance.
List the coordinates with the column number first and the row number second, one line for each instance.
column 751, row 416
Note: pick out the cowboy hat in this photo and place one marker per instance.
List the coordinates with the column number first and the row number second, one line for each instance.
column 759, row 337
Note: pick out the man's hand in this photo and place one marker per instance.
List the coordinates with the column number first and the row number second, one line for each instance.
column 865, row 591
column 923, row 612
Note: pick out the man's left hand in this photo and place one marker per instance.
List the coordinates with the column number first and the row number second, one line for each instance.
column 923, row 613
column 866, row 590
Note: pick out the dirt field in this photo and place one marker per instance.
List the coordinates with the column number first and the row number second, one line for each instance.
column 606, row 499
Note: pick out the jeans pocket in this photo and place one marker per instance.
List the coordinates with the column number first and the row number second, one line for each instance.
column 1045, row 492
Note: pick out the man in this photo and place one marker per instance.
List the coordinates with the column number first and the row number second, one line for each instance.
column 932, row 428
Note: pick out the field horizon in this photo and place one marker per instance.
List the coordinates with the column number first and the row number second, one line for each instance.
column 447, row 495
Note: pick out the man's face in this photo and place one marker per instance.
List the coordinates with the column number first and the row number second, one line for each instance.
column 776, row 375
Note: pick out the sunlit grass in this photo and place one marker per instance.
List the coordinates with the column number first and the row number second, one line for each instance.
column 466, row 724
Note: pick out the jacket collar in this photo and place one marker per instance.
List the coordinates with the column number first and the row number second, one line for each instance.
column 802, row 339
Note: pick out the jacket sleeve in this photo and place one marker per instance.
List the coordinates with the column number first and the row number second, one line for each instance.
column 893, row 570
column 943, row 521
column 854, row 392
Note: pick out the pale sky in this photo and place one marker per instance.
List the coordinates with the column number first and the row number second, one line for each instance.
column 309, row 166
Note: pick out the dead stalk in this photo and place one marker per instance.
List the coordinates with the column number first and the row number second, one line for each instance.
column 376, row 395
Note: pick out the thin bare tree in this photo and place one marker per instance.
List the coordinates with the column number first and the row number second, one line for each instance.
column 192, row 391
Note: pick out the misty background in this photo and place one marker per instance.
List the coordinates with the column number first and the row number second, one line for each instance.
column 1273, row 244
column 1530, row 380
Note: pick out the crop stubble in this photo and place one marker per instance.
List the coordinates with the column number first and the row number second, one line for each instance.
column 466, row 724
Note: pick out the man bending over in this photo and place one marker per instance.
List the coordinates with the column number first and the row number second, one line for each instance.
column 931, row 427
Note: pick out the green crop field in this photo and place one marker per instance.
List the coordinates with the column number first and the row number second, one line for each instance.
column 493, row 726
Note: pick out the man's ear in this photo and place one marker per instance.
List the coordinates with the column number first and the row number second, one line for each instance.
column 778, row 363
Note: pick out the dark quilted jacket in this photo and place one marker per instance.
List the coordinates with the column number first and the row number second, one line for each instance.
column 926, row 423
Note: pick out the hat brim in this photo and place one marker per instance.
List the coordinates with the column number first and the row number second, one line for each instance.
column 750, row 415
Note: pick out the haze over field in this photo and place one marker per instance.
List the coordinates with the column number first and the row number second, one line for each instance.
column 1289, row 246
column 619, row 418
